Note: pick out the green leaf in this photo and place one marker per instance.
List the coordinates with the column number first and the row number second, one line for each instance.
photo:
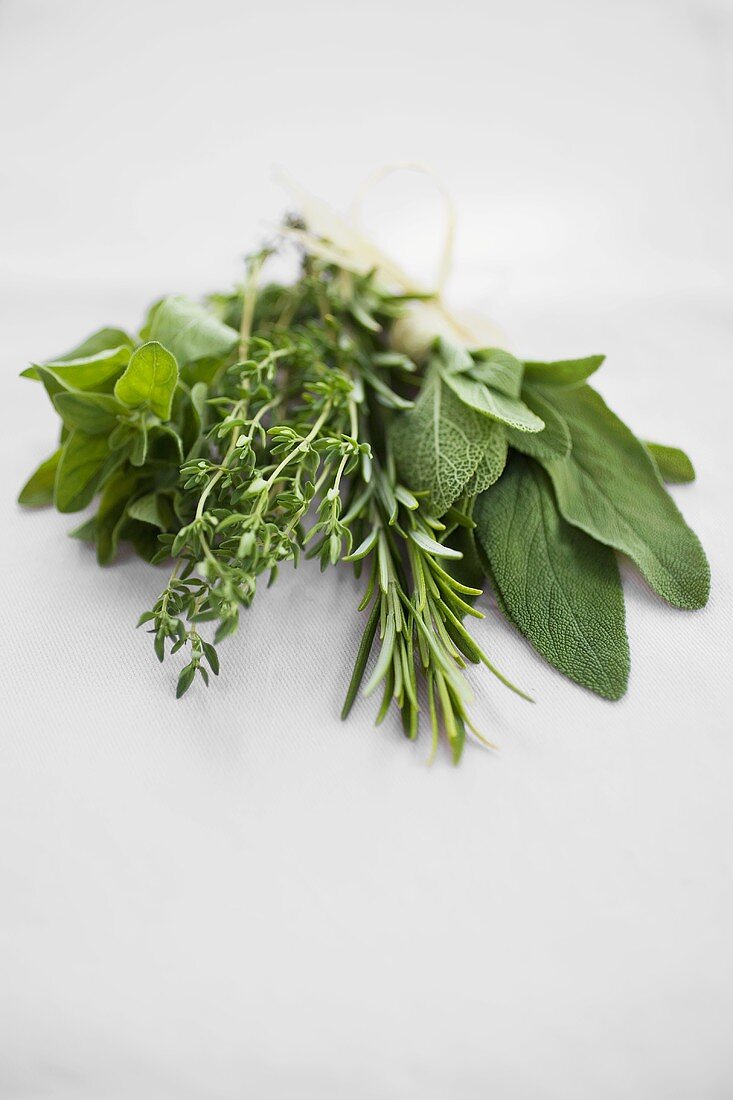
column 432, row 547
column 85, row 462
column 147, row 510
column 492, row 462
column 458, row 370
column 554, row 439
column 189, row 330
column 150, row 379
column 673, row 464
column 439, row 444
column 94, row 413
column 499, row 370
column 104, row 339
column 87, row 372
column 563, row 372
column 185, row 680
column 610, row 488
column 111, row 513
column 38, row 489
column 559, row 586
column 86, row 531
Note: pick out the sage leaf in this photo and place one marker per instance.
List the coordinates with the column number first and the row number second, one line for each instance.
column 189, row 330
column 553, row 441
column 492, row 403
column 84, row 463
column 38, row 489
column 610, row 488
column 492, row 462
column 674, row 465
column 563, row 372
column 150, row 379
column 499, row 370
column 559, row 586
column 439, row 443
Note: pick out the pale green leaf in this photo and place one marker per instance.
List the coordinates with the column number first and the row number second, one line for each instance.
column 492, row 462
column 150, row 379
column 507, row 410
column 559, row 586
column 189, row 330
column 439, row 443
column 105, row 339
column 499, row 370
column 86, row 373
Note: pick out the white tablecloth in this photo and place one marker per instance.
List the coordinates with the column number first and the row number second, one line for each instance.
column 237, row 895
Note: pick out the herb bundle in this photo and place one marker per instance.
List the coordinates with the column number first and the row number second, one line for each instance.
column 281, row 420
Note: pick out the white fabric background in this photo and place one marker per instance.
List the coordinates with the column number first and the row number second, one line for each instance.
column 237, row 895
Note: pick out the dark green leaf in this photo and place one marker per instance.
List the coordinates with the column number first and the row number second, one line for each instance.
column 554, row 439
column 558, row 585
column 610, row 488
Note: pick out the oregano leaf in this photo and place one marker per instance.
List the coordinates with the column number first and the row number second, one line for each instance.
column 189, row 330
column 38, row 489
column 85, row 461
column 149, row 380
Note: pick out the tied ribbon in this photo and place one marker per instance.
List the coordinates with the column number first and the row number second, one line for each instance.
column 342, row 241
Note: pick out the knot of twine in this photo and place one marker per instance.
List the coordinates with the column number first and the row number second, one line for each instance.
column 342, row 241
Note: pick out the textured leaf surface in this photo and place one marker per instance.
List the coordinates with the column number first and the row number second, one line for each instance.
column 554, row 439
column 492, row 462
column 189, row 330
column 610, row 488
column 673, row 464
column 498, row 369
column 563, row 372
column 439, row 444
column 150, row 379
column 558, row 585
column 507, row 410
column 38, row 489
